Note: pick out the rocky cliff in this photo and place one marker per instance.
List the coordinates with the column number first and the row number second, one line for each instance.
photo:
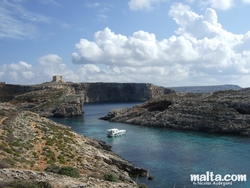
column 220, row 112
column 66, row 99
column 91, row 92
column 119, row 92
column 57, row 102
column 29, row 144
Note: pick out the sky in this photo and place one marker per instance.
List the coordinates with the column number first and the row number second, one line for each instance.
column 164, row 42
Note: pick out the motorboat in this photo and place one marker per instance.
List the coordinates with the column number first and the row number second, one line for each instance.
column 115, row 132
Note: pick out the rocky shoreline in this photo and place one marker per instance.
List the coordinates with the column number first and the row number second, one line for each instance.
column 30, row 143
column 219, row 112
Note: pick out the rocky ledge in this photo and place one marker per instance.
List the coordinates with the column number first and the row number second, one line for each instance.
column 218, row 112
column 51, row 102
column 30, row 144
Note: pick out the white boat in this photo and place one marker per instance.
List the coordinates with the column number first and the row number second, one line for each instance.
column 115, row 132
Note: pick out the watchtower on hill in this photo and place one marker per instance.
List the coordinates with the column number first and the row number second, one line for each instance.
column 57, row 79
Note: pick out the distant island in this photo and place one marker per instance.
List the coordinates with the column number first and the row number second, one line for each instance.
column 203, row 89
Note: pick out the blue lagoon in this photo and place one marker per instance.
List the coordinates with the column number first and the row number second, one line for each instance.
column 171, row 156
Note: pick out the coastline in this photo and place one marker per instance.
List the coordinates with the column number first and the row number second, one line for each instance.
column 44, row 142
column 225, row 112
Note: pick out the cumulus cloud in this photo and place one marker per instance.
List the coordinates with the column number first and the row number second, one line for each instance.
column 141, row 49
column 200, row 48
column 17, row 71
column 50, row 60
column 200, row 52
column 142, row 4
column 24, row 73
column 219, row 4
column 198, row 26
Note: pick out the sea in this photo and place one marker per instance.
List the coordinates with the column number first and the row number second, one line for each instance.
column 173, row 158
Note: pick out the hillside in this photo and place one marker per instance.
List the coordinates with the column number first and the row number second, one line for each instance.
column 219, row 112
column 30, row 144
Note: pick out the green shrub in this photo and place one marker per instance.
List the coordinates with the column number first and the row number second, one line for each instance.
column 111, row 177
column 25, row 184
column 61, row 159
column 143, row 186
column 69, row 171
column 8, row 150
column 52, row 168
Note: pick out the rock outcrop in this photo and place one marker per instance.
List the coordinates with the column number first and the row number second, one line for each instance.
column 57, row 102
column 220, row 112
column 29, row 143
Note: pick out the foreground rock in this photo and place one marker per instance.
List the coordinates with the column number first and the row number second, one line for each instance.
column 220, row 112
column 59, row 181
column 30, row 143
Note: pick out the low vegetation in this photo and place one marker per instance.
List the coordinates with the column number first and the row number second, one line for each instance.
column 31, row 144
column 25, row 184
column 64, row 170
column 111, row 177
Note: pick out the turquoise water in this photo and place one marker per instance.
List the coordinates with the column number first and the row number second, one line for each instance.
column 169, row 155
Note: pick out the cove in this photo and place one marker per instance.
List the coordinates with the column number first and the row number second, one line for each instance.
column 171, row 156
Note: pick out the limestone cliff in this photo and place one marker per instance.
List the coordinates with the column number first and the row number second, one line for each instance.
column 118, row 92
column 66, row 99
column 220, row 112
column 29, row 143
column 91, row 92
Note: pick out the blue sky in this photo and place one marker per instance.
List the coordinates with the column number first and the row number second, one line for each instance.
column 164, row 42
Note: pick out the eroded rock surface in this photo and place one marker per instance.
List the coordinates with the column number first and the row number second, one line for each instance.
column 57, row 102
column 220, row 112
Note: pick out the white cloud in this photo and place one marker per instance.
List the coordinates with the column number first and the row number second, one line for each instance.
column 200, row 52
column 17, row 71
column 89, row 69
column 2, row 71
column 246, row 1
column 49, row 60
column 47, row 72
column 24, row 73
column 142, row 4
column 220, row 4
column 17, row 22
column 198, row 26
column 217, row 4
column 200, row 49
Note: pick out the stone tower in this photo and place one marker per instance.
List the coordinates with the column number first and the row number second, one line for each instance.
column 57, row 79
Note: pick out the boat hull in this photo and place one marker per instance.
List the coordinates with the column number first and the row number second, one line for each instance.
column 114, row 133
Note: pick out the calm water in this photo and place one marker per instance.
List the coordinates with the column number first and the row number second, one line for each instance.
column 170, row 156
